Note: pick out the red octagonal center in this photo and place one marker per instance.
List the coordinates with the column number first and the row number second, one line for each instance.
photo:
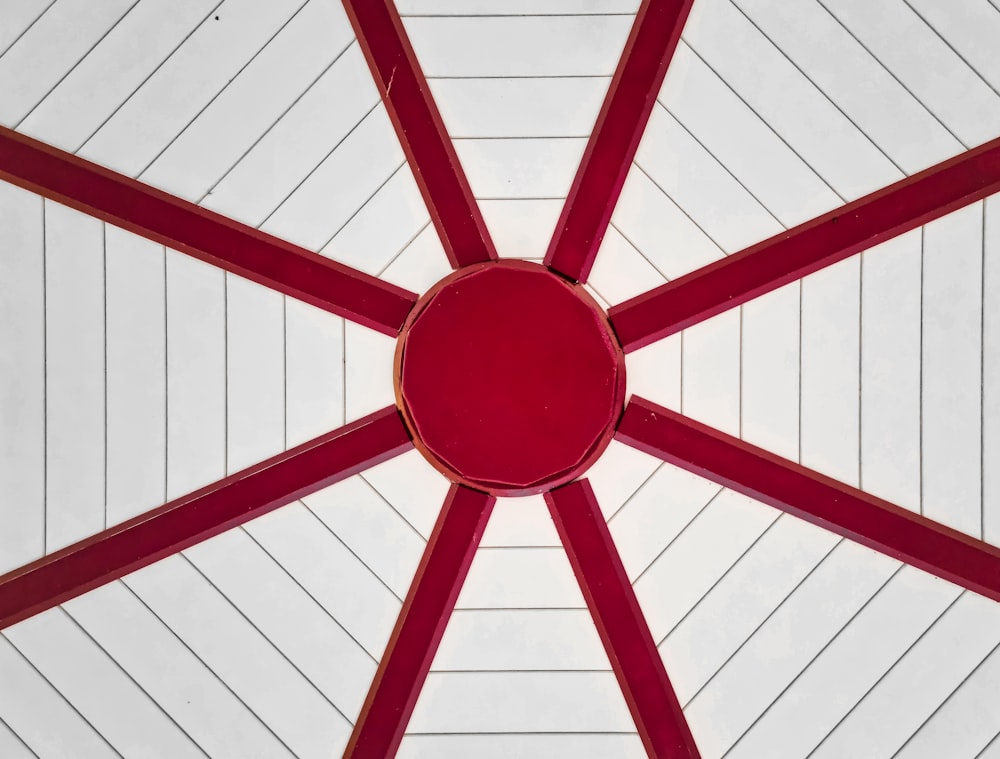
column 509, row 378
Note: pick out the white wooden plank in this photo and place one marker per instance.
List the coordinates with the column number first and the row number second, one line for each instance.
column 331, row 574
column 19, row 15
column 769, row 371
column 255, row 373
column 700, row 555
column 518, row 45
column 785, row 99
column 952, row 369
column 890, row 370
column 163, row 665
column 314, row 371
column 621, row 271
column 103, row 693
column 521, row 167
column 917, row 685
column 654, row 372
column 323, row 203
column 618, row 475
column 74, row 384
column 369, row 241
column 49, row 49
column 852, row 663
column 971, row 28
column 700, row 186
column 522, row 521
column 196, row 374
column 739, row 139
column 658, row 227
column 414, row 488
column 256, row 671
column 520, row 578
column 855, row 81
column 790, row 639
column 830, row 370
column 513, row 7
column 967, row 721
column 40, row 715
column 991, row 372
column 12, row 746
column 521, row 228
column 529, row 702
column 527, row 107
column 710, row 379
column 371, row 528
column 505, row 639
column 551, row 746
column 111, row 71
column 368, row 376
column 752, row 589
column 421, row 264
column 22, row 377
column 297, row 625
column 298, row 142
column 992, row 751
column 925, row 64
column 136, row 375
column 253, row 101
column 207, row 61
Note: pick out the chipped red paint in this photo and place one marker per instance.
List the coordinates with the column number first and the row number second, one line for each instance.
column 203, row 234
column 200, row 515
column 422, row 133
column 809, row 495
column 509, row 378
column 622, row 627
column 620, row 125
column 808, row 247
column 420, row 625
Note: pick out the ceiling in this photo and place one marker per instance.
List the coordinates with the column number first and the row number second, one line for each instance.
column 131, row 374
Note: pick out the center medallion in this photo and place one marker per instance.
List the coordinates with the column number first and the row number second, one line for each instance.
column 509, row 378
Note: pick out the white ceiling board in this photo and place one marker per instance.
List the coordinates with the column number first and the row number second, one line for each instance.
column 11, row 745
column 514, row 7
column 991, row 371
column 621, row 271
column 710, row 371
column 517, row 522
column 970, row 28
column 618, row 475
column 413, row 487
column 551, row 746
column 520, row 578
column 19, row 16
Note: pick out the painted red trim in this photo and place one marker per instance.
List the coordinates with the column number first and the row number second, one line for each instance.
column 200, row 515
column 622, row 627
column 420, row 625
column 422, row 133
column 788, row 486
column 201, row 233
column 620, row 125
column 808, row 247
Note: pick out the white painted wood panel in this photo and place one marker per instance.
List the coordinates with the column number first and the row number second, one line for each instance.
column 168, row 670
column 196, row 374
column 654, row 372
column 522, row 521
column 193, row 75
column 518, row 45
column 414, row 488
column 971, row 29
column 420, row 264
column 621, row 271
column 92, row 91
column 521, row 228
column 619, row 475
column 710, row 372
column 51, row 47
column 952, row 370
column 102, row 692
column 514, row 8
column 74, row 376
column 521, row 702
column 22, row 377
column 551, row 746
column 314, row 371
column 136, row 375
column 42, row 717
column 991, row 371
column 19, row 16
column 368, row 357
column 520, row 578
column 521, row 167
column 11, row 745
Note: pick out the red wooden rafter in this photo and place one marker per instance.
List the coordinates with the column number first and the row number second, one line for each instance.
column 383, row 307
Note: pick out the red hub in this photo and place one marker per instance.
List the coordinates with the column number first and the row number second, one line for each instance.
column 509, row 378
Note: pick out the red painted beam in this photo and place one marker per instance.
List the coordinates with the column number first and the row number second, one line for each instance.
column 182, row 523
column 809, row 247
column 620, row 125
column 837, row 507
column 622, row 627
column 421, row 132
column 420, row 625
column 201, row 233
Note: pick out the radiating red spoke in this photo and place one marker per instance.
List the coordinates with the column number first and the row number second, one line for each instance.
column 200, row 515
column 788, row 486
column 203, row 234
column 420, row 624
column 809, row 247
column 620, row 125
column 421, row 131
column 623, row 629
